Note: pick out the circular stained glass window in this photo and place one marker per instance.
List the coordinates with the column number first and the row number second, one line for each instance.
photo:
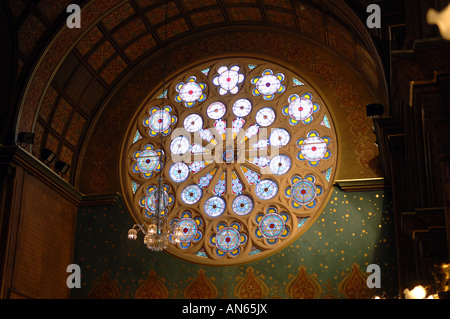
column 180, row 145
column 188, row 228
column 228, row 239
column 179, row 172
column 268, row 84
column 215, row 206
column 303, row 192
column 248, row 174
column 228, row 79
column 190, row 92
column 216, row 110
column 151, row 201
column 314, row 148
column 280, row 164
column 193, row 123
column 160, row 120
column 266, row 189
column 242, row 205
column 279, row 137
column 272, row 225
column 191, row 194
column 301, row 108
column 265, row 116
column 242, row 107
column 147, row 161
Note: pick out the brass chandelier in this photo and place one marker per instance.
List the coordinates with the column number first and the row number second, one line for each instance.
column 158, row 233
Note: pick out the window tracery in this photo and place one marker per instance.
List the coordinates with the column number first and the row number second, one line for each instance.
column 251, row 170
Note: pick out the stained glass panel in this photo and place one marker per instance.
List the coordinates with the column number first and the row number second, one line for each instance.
column 193, row 122
column 204, row 181
column 179, row 172
column 214, row 206
column 190, row 92
column 236, row 185
column 180, row 145
column 251, row 131
column 268, row 84
column 242, row 107
column 207, row 136
column 313, row 148
column 325, row 122
column 265, row 116
column 238, row 123
column 303, row 191
column 228, row 239
column 191, row 194
column 199, row 149
column 216, row 110
column 279, row 137
column 266, row 189
column 242, row 205
column 197, row 166
column 251, row 176
column 271, row 225
column 160, row 121
column 280, row 164
column 228, row 79
column 147, row 161
column 300, row 108
column 262, row 144
column 189, row 229
column 221, row 127
column 151, row 200
column 261, row 161
column 221, row 186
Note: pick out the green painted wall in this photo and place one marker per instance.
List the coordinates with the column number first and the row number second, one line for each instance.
column 355, row 227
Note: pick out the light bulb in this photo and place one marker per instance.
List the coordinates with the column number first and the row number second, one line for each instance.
column 418, row 292
column 132, row 234
column 441, row 19
column 151, row 229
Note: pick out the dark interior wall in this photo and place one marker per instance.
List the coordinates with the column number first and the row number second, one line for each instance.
column 329, row 261
column 7, row 77
column 38, row 224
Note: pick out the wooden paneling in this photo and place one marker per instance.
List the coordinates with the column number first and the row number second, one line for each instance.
column 38, row 211
column 44, row 242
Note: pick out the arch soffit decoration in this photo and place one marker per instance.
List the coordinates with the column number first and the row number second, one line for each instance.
column 357, row 55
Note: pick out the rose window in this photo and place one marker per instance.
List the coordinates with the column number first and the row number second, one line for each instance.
column 250, row 153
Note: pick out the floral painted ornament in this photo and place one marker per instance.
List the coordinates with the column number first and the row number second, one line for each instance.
column 268, row 84
column 190, row 92
column 300, row 108
column 160, row 121
column 228, row 79
column 228, row 239
column 313, row 148
column 147, row 161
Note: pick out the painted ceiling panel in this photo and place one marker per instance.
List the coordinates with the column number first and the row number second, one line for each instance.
column 118, row 37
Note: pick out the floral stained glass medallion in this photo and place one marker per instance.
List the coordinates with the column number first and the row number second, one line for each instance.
column 272, row 225
column 160, row 121
column 190, row 92
column 246, row 167
column 228, row 79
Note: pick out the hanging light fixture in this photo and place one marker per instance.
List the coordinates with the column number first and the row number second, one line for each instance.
column 158, row 233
